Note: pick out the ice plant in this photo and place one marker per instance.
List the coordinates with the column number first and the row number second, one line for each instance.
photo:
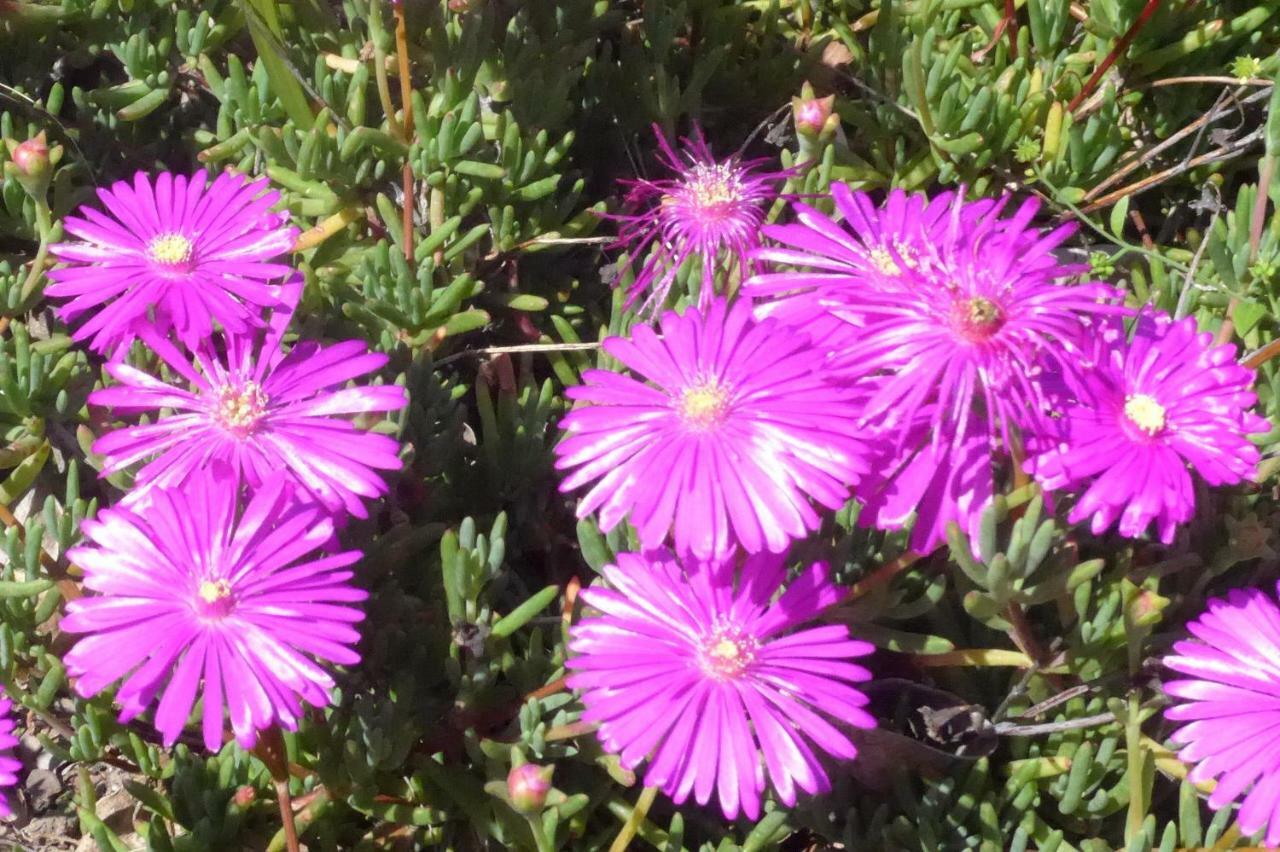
column 182, row 250
column 712, row 209
column 836, row 261
column 713, row 683
column 728, row 428
column 9, row 765
column 197, row 597
column 261, row 411
column 929, row 484
column 1230, row 704
column 950, row 305
column 1166, row 400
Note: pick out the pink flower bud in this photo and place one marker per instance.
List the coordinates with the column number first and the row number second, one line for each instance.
column 32, row 157
column 811, row 114
column 528, row 785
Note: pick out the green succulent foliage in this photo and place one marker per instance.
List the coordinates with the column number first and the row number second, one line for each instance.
column 1019, row 701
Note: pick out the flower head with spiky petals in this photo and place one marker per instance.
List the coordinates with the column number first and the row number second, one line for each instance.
column 960, row 310
column 10, row 766
column 180, row 253
column 261, row 411
column 736, row 428
column 838, row 260
column 711, row 209
column 713, row 683
column 1153, row 405
column 197, row 592
column 1229, row 706
column 936, row 482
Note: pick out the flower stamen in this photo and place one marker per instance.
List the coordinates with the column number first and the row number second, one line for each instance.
column 172, row 250
column 727, row 652
column 977, row 318
column 239, row 408
column 704, row 406
column 1145, row 413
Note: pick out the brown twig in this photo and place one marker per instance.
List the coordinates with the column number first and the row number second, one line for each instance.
column 1263, row 355
column 1120, row 47
column 1008, row 23
column 881, row 575
column 271, row 751
column 1140, row 186
column 1219, row 109
column 406, row 104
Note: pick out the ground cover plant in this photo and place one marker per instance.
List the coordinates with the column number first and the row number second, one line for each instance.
column 713, row 425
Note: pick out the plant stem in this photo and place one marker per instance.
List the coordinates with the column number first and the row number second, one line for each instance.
column 271, row 751
column 1121, row 46
column 1136, row 768
column 45, row 226
column 380, row 71
column 406, row 104
column 881, row 575
column 632, row 825
column 540, row 839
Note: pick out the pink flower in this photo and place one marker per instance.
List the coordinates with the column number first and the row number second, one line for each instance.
column 711, row 209
column 708, row 681
column 737, row 427
column 1230, row 706
column 9, row 765
column 262, row 412
column 189, row 253
column 1150, row 408
column 195, row 593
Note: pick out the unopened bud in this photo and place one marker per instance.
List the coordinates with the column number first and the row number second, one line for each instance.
column 1146, row 609
column 528, row 785
column 31, row 164
column 244, row 796
column 811, row 114
column 31, row 158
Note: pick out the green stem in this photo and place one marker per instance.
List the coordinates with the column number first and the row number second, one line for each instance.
column 45, row 227
column 376, row 33
column 632, row 825
column 540, row 839
column 1136, row 772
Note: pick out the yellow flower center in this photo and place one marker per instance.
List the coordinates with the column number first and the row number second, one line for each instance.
column 713, row 184
column 889, row 263
column 170, row 249
column 1144, row 412
column 216, row 600
column 704, row 406
column 727, row 653
column 884, row 262
column 213, row 591
column 240, row 408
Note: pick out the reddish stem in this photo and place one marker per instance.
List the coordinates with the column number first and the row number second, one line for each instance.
column 1121, row 46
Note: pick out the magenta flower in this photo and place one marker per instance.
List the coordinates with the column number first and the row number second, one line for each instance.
column 186, row 252
column 195, row 594
column 711, row 209
column 738, row 426
column 1167, row 399
column 704, row 678
column 262, row 412
column 9, row 765
column 951, row 307
column 937, row 482
column 1231, row 706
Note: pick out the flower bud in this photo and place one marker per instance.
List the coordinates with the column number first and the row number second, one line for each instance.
column 528, row 785
column 31, row 164
column 811, row 114
column 244, row 796
column 31, row 158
